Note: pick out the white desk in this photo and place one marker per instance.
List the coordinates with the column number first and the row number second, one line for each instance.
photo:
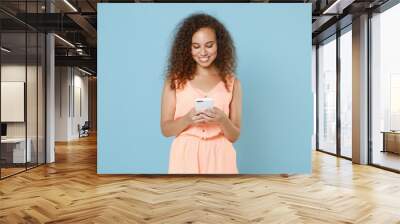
column 18, row 150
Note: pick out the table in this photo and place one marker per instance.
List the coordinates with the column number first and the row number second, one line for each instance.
column 15, row 148
column 391, row 141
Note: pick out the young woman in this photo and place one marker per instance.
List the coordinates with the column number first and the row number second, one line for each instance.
column 201, row 64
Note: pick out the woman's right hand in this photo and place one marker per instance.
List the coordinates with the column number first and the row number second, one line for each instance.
column 193, row 117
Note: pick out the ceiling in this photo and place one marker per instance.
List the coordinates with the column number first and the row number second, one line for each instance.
column 76, row 22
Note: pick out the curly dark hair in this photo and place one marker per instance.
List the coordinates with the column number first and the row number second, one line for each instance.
column 181, row 65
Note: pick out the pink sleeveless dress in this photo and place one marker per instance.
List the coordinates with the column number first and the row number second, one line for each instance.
column 202, row 149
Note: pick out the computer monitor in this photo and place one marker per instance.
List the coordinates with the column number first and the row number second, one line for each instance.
column 3, row 129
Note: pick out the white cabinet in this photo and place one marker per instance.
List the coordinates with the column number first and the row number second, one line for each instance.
column 18, row 149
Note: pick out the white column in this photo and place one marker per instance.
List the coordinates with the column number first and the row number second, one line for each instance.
column 50, row 93
column 50, row 110
column 360, row 90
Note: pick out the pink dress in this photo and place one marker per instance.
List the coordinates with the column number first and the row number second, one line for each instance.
column 202, row 149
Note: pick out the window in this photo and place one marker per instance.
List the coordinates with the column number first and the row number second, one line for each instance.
column 346, row 93
column 385, row 88
column 327, row 96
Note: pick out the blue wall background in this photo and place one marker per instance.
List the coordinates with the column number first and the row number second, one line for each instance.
column 273, row 43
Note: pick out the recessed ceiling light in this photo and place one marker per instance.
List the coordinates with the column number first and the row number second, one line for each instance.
column 70, row 5
column 65, row 41
column 84, row 71
column 5, row 50
column 337, row 7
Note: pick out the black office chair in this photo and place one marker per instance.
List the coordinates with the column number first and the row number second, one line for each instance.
column 84, row 130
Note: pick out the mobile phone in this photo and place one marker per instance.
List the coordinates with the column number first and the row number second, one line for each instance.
column 201, row 104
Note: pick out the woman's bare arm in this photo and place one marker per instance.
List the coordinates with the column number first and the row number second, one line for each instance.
column 169, row 126
column 231, row 126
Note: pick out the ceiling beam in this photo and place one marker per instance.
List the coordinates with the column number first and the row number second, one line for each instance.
column 86, row 26
column 84, row 61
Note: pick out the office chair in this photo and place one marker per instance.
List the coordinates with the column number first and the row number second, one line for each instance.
column 84, row 130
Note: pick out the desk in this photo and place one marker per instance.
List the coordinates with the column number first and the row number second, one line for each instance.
column 15, row 148
column 391, row 141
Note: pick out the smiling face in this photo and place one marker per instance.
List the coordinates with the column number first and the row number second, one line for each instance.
column 204, row 47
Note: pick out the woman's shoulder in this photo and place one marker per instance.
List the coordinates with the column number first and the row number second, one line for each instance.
column 232, row 77
column 233, row 81
column 167, row 82
column 175, row 84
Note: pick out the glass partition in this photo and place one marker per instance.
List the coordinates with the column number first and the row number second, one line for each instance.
column 346, row 93
column 14, row 154
column 385, row 89
column 32, row 95
column 327, row 96
column 22, row 101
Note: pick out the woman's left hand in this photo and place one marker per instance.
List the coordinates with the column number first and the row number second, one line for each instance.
column 214, row 115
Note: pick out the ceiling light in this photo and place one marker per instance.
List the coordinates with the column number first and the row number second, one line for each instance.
column 70, row 5
column 84, row 71
column 338, row 6
column 5, row 50
column 329, row 9
column 79, row 51
column 65, row 41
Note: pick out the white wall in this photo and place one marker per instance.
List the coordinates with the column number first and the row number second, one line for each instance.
column 12, row 73
column 15, row 72
column 79, row 117
column 62, row 81
column 71, row 87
